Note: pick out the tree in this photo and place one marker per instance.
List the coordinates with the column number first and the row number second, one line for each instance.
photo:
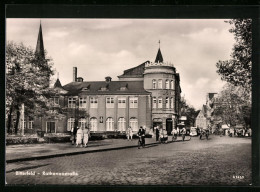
column 189, row 112
column 233, row 108
column 27, row 81
column 237, row 70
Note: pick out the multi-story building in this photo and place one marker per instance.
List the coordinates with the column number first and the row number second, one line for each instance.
column 147, row 95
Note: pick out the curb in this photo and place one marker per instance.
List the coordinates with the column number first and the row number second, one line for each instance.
column 71, row 153
column 80, row 152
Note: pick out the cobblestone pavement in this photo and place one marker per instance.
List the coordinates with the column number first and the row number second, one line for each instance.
column 218, row 161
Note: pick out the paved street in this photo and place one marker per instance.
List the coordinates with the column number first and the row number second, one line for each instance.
column 218, row 161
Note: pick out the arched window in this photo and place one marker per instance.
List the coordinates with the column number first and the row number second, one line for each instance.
column 172, row 85
column 121, row 124
column 154, row 102
column 154, row 84
column 167, row 84
column 82, row 123
column 93, row 124
column 159, row 84
column 110, row 124
column 159, row 102
column 70, row 124
column 167, row 103
column 133, row 123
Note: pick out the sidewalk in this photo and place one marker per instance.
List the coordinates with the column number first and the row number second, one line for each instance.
column 15, row 153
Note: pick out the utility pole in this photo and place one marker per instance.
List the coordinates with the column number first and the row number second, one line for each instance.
column 22, row 119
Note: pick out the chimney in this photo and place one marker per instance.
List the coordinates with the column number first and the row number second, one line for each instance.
column 74, row 74
column 108, row 79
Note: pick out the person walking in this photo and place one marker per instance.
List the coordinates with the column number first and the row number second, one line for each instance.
column 79, row 137
column 73, row 135
column 86, row 133
column 157, row 133
column 129, row 133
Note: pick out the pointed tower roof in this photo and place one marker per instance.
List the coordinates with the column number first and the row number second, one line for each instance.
column 57, row 84
column 39, row 47
column 159, row 58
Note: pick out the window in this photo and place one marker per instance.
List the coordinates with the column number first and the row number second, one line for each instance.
column 159, row 84
column 93, row 102
column 172, row 102
column 93, row 124
column 167, row 103
column 121, row 102
column 110, row 102
column 154, row 84
column 167, row 84
column 50, row 127
column 154, row 102
column 82, row 123
column 70, row 124
column 82, row 102
column 121, row 124
column 159, row 102
column 172, row 85
column 110, row 124
column 133, row 102
column 133, row 123
column 55, row 100
column 72, row 102
column 30, row 124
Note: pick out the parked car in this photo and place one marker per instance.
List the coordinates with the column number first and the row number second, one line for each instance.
column 193, row 131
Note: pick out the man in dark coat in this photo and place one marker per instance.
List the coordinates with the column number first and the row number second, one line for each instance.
column 157, row 133
column 141, row 133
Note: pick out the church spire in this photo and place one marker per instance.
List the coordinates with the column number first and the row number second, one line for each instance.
column 39, row 47
column 159, row 58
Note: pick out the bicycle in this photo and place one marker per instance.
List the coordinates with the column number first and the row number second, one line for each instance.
column 174, row 137
column 140, row 142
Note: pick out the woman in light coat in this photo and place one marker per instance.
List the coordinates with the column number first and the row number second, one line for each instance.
column 79, row 137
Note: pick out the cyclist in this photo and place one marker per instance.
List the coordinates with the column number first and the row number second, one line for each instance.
column 183, row 132
column 141, row 133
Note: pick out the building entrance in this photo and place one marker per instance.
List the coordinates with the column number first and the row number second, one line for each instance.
column 157, row 122
column 169, row 126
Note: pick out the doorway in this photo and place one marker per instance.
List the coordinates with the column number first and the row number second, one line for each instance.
column 169, row 126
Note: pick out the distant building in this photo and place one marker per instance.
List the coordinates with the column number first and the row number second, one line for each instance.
column 146, row 95
column 202, row 120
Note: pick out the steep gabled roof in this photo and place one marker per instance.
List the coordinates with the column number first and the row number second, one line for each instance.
column 104, row 88
column 159, row 57
column 40, row 47
column 137, row 71
column 57, row 84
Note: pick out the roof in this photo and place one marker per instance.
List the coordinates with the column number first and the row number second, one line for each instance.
column 111, row 88
column 211, row 95
column 40, row 47
column 137, row 71
column 57, row 84
column 159, row 57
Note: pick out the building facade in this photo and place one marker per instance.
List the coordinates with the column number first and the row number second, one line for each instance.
column 147, row 95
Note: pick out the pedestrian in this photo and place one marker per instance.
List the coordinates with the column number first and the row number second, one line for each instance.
column 74, row 133
column 129, row 133
column 79, row 137
column 157, row 133
column 174, row 134
column 86, row 133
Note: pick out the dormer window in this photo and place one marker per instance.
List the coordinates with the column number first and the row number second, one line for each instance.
column 84, row 89
column 103, row 89
column 123, row 88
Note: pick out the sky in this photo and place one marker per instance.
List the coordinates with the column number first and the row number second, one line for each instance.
column 107, row 47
